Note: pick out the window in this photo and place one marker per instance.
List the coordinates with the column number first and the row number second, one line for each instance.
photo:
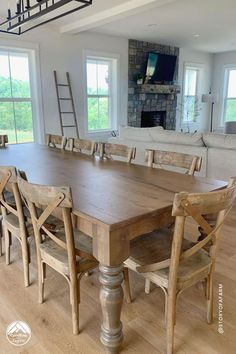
column 190, row 98
column 229, row 112
column 101, row 94
column 15, row 97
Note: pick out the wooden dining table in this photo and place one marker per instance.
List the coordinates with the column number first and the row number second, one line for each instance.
column 113, row 202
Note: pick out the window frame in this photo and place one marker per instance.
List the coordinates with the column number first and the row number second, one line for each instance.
column 32, row 50
column 114, row 89
column 197, row 68
column 12, row 99
column 225, row 98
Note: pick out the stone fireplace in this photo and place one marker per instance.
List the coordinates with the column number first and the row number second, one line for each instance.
column 150, row 98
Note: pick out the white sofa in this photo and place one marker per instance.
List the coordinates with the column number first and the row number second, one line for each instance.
column 218, row 151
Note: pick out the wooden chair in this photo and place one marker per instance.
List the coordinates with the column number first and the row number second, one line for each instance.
column 172, row 262
column 158, row 158
column 56, row 141
column 166, row 158
column 3, row 140
column 80, row 145
column 13, row 218
column 108, row 150
column 67, row 251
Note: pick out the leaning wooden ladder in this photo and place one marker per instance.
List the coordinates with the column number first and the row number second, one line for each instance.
column 63, row 113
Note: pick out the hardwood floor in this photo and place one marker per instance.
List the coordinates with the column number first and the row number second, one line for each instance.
column 143, row 320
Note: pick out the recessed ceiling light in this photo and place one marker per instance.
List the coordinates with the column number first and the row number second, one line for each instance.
column 196, row 35
column 152, row 25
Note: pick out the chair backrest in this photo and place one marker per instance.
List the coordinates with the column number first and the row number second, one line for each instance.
column 80, row 145
column 108, row 150
column 3, row 140
column 8, row 184
column 198, row 206
column 56, row 141
column 168, row 158
column 43, row 201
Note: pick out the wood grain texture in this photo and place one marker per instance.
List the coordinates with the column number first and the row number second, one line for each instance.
column 56, row 141
column 57, row 249
column 113, row 202
column 158, row 158
column 172, row 262
column 109, row 151
column 143, row 319
column 81, row 145
column 13, row 218
column 145, row 191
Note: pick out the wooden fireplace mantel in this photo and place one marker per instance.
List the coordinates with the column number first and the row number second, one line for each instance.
column 161, row 89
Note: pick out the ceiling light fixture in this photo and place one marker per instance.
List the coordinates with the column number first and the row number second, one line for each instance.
column 152, row 25
column 29, row 14
column 196, row 35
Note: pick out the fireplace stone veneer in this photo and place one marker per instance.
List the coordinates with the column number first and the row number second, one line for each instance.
column 141, row 98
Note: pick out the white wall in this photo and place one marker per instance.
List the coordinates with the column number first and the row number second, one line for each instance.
column 220, row 61
column 206, row 61
column 65, row 53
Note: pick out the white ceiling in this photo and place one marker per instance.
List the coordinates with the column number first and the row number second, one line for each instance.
column 173, row 22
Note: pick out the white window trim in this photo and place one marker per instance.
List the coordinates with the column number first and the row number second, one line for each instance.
column 115, row 92
column 223, row 98
column 200, row 67
column 35, row 83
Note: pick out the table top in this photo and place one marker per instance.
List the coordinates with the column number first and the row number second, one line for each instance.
column 111, row 192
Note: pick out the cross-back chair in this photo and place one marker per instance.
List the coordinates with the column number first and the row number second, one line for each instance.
column 81, row 145
column 172, row 262
column 108, row 151
column 13, row 218
column 67, row 251
column 3, row 140
column 56, row 141
column 158, row 158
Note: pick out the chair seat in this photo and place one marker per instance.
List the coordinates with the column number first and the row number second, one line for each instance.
column 12, row 223
column 55, row 255
column 156, row 247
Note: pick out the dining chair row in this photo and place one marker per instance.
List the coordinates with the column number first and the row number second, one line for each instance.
column 28, row 213
column 154, row 158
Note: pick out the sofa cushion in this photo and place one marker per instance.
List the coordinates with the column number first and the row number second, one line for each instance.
column 173, row 137
column 138, row 134
column 220, row 141
column 221, row 163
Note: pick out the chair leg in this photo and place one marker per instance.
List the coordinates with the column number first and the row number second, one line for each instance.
column 41, row 277
column 25, row 259
column 170, row 319
column 7, row 245
column 74, row 296
column 127, row 285
column 0, row 239
column 209, row 296
column 147, row 286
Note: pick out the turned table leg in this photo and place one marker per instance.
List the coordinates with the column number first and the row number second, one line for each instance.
column 111, row 297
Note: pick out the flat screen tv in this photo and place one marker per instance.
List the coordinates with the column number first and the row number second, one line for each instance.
column 160, row 67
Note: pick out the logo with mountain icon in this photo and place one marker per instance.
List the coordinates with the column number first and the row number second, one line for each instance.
column 18, row 333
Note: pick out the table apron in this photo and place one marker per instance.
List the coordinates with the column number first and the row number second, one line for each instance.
column 111, row 247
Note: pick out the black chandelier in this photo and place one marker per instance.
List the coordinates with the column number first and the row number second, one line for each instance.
column 29, row 14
